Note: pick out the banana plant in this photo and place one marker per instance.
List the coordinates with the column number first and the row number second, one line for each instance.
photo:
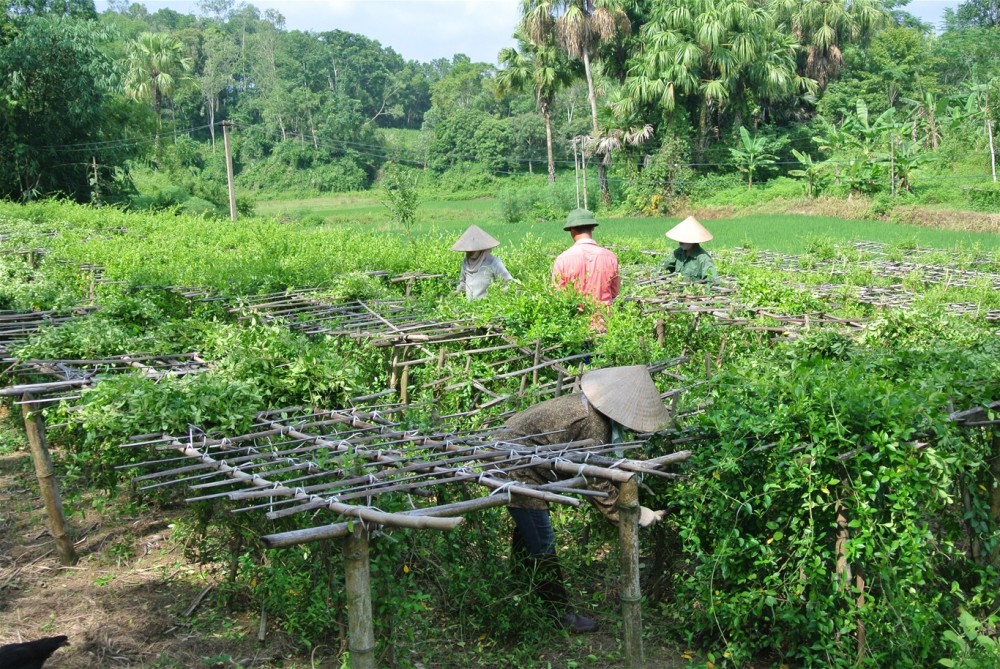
column 814, row 173
column 752, row 154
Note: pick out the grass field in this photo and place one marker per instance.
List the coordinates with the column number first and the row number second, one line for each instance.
column 786, row 233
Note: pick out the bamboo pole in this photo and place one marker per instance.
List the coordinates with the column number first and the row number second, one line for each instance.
column 34, row 425
column 631, row 594
column 341, row 530
column 357, row 582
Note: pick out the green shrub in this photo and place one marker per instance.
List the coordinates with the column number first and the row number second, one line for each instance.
column 522, row 202
column 984, row 198
column 466, row 179
column 711, row 187
column 833, row 475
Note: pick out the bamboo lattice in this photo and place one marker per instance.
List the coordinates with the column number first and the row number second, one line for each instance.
column 64, row 375
column 366, row 467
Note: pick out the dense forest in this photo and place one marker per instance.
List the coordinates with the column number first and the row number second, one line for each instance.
column 661, row 101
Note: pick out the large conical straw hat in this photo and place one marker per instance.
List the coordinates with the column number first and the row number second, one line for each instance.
column 626, row 395
column 474, row 239
column 689, row 231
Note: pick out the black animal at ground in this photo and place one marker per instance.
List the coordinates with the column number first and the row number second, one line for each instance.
column 30, row 654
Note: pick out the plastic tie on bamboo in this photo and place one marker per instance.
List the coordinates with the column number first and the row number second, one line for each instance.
column 504, row 488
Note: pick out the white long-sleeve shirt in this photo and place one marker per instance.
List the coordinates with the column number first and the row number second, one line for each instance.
column 476, row 277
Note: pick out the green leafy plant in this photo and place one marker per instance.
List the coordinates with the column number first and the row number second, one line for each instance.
column 399, row 194
column 752, row 154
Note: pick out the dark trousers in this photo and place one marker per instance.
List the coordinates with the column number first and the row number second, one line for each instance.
column 532, row 532
column 533, row 547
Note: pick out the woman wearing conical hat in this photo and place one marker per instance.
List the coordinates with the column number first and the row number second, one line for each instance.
column 612, row 400
column 689, row 259
column 479, row 267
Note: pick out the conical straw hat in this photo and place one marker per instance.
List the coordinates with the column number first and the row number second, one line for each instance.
column 626, row 395
column 689, row 231
column 474, row 239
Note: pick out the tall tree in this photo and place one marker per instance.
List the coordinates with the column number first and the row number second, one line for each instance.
column 973, row 14
column 538, row 67
column 217, row 72
column 154, row 63
column 76, row 8
column 61, row 119
column 823, row 27
column 710, row 56
column 579, row 27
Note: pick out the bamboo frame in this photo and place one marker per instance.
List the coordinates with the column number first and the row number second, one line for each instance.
column 48, row 485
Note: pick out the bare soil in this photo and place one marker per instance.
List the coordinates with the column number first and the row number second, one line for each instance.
column 123, row 603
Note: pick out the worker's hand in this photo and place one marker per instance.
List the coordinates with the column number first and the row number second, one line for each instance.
column 647, row 516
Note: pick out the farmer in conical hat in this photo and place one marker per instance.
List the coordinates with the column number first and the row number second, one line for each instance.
column 613, row 400
column 689, row 259
column 479, row 267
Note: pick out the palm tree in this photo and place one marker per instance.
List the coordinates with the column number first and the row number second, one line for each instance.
column 539, row 67
column 153, row 64
column 621, row 129
column 579, row 28
column 823, row 27
column 713, row 54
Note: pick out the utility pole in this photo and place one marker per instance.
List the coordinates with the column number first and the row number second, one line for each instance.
column 97, row 186
column 993, row 152
column 229, row 170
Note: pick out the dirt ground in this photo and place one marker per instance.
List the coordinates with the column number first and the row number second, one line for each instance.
column 124, row 604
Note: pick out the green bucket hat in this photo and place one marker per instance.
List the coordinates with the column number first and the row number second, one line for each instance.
column 580, row 218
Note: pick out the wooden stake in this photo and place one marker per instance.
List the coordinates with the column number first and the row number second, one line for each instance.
column 393, row 370
column 631, row 594
column 404, row 377
column 357, row 581
column 34, row 425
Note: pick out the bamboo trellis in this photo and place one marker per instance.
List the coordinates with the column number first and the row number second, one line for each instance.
column 17, row 327
column 720, row 304
column 373, row 473
column 66, row 375
column 927, row 273
column 379, row 322
column 443, row 350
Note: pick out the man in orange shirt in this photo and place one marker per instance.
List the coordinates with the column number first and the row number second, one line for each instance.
column 590, row 269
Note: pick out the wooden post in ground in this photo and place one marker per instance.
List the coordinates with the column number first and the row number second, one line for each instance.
column 631, row 594
column 34, row 425
column 404, row 377
column 357, row 580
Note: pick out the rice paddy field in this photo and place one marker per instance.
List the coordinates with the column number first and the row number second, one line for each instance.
column 778, row 232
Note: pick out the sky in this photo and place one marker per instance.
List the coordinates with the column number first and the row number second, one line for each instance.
column 423, row 30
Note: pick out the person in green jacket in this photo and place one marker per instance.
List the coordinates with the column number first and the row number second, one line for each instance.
column 689, row 259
